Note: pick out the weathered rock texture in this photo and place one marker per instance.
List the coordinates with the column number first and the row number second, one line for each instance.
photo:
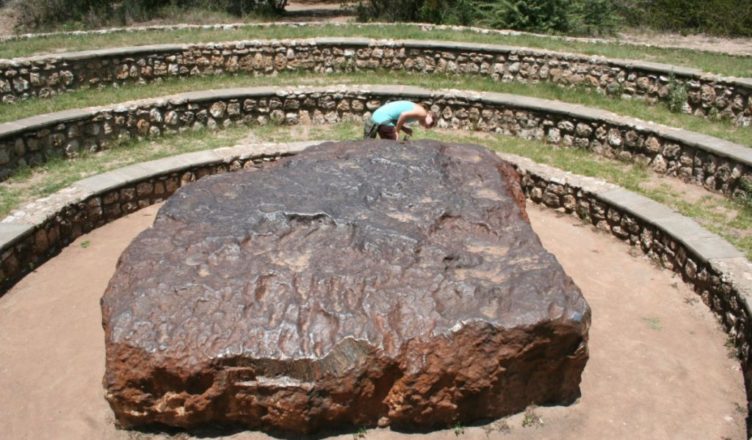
column 352, row 284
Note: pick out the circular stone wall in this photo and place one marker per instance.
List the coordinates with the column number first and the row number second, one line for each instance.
column 716, row 164
column 46, row 75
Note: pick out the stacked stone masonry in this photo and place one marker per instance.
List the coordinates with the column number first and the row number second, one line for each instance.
column 723, row 294
column 658, row 245
column 35, row 140
column 729, row 304
column 45, row 76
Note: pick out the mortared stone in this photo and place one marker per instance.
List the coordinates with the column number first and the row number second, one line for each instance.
column 352, row 284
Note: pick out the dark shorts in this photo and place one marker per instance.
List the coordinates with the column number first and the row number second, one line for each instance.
column 370, row 130
column 387, row 132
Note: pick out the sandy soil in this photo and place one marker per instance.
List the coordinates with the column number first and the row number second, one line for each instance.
column 658, row 366
column 735, row 46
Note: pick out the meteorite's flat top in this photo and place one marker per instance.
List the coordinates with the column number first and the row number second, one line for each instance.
column 377, row 241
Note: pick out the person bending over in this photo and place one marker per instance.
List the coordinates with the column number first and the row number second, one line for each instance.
column 389, row 119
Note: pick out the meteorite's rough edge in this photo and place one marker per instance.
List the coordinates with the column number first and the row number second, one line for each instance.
column 377, row 390
column 477, row 370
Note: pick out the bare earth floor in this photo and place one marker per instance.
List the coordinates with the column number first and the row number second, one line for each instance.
column 658, row 369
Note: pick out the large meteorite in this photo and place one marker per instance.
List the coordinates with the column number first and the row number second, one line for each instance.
column 352, row 284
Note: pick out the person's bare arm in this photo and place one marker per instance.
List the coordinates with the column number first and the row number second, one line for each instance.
column 417, row 112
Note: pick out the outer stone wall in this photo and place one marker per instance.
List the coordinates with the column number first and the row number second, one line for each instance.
column 44, row 76
column 716, row 164
column 719, row 273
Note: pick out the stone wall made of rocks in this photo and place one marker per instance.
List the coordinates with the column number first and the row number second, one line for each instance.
column 45, row 76
column 718, row 272
column 658, row 244
column 713, row 163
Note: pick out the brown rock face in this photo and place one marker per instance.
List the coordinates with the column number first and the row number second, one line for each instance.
column 353, row 283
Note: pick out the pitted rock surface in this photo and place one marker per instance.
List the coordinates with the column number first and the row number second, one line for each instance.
column 353, row 284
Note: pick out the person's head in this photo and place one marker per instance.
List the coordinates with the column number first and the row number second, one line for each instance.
column 429, row 121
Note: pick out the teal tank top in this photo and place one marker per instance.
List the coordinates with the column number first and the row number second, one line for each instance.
column 388, row 114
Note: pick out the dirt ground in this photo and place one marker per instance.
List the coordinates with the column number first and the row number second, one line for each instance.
column 658, row 368
column 734, row 46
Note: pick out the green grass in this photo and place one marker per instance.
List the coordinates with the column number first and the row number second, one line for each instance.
column 707, row 61
column 30, row 184
column 657, row 113
column 653, row 323
column 577, row 161
column 730, row 219
column 531, row 419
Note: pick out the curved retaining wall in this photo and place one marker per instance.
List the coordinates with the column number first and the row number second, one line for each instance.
column 425, row 27
column 44, row 76
column 716, row 164
column 719, row 273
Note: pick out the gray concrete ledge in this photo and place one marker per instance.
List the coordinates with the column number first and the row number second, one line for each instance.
column 12, row 232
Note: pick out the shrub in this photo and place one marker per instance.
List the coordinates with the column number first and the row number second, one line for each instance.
column 532, row 15
column 34, row 13
column 37, row 13
column 745, row 194
column 719, row 17
column 549, row 16
column 430, row 11
column 593, row 17
column 677, row 94
column 459, row 12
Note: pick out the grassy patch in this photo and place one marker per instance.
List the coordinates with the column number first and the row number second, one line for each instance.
column 360, row 433
column 653, row 323
column 656, row 113
column 709, row 62
column 730, row 219
column 531, row 419
column 41, row 181
column 577, row 161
